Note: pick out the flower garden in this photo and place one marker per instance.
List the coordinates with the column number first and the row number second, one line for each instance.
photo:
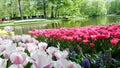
column 78, row 47
column 99, row 44
column 23, row 51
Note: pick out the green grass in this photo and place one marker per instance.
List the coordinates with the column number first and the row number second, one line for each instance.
column 6, row 24
column 28, row 23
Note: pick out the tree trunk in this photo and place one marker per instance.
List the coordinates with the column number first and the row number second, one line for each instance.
column 20, row 9
column 11, row 9
column 58, row 14
column 44, row 8
column 52, row 13
column 55, row 12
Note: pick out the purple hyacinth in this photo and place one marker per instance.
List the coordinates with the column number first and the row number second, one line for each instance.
column 86, row 63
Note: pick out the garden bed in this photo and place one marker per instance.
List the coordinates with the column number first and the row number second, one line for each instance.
column 24, row 51
column 90, row 41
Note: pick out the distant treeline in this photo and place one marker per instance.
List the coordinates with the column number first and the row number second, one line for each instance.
column 23, row 9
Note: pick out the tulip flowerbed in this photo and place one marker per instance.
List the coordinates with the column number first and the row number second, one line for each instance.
column 88, row 35
column 23, row 51
column 91, row 39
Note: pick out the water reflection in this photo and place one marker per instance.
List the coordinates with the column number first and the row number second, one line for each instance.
column 86, row 22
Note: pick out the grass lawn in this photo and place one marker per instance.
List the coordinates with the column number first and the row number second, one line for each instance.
column 28, row 22
column 6, row 24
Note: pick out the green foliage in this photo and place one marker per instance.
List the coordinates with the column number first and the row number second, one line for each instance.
column 28, row 65
column 8, row 8
column 115, row 7
column 57, row 8
column 94, row 7
column 9, row 63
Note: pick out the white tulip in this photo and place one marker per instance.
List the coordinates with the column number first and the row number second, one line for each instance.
column 3, row 63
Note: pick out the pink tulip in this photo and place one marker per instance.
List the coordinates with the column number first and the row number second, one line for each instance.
column 63, row 63
column 31, row 47
column 51, row 51
column 2, row 48
column 34, row 32
column 61, row 54
column 75, row 37
column 17, row 58
column 93, row 37
column 69, row 38
column 16, row 38
column 87, row 33
column 26, row 38
column 79, row 39
column 85, row 41
column 47, row 36
column 42, row 45
column 41, row 60
column 3, row 37
column 114, row 41
column 7, row 56
column 20, row 44
column 9, row 49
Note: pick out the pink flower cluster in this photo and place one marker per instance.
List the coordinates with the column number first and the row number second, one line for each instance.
column 14, row 49
column 83, row 34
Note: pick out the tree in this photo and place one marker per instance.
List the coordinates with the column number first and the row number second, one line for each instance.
column 44, row 8
column 64, row 6
column 52, row 4
column 76, row 7
column 94, row 7
column 118, row 6
column 20, row 9
column 56, row 8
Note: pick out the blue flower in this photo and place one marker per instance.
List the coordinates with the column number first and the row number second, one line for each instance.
column 86, row 63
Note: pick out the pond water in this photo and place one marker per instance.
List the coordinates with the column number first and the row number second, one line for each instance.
column 105, row 20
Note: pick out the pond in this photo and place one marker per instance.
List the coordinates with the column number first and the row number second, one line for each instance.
column 105, row 20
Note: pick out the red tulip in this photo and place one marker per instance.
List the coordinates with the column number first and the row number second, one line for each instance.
column 87, row 32
column 64, row 37
column 85, row 41
column 92, row 45
column 93, row 37
column 114, row 41
column 79, row 39
column 69, row 38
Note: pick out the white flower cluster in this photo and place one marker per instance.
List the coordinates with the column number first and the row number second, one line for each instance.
column 23, row 49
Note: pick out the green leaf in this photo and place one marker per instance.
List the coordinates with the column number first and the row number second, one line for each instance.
column 28, row 65
column 9, row 63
